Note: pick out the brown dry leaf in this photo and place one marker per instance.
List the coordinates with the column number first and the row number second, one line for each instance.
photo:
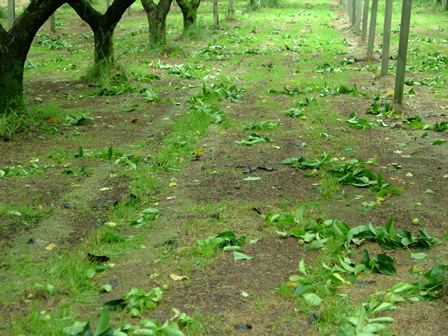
column 52, row 120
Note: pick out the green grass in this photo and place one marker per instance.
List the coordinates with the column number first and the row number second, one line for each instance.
column 30, row 119
column 69, row 271
column 271, row 48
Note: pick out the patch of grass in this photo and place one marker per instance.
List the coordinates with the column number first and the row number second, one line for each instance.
column 197, row 32
column 71, row 272
column 328, row 184
column 20, row 216
column 35, row 118
column 25, row 211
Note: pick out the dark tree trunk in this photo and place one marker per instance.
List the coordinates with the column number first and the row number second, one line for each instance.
column 156, row 28
column 189, row 10
column 156, row 15
column 103, row 27
column 231, row 10
column 104, row 47
column 11, row 80
column 14, row 47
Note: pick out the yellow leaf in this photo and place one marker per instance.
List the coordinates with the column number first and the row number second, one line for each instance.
column 199, row 151
column 154, row 276
column 50, row 247
column 341, row 279
column 172, row 184
column 176, row 277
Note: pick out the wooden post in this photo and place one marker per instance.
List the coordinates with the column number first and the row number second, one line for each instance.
column 358, row 16
column 53, row 23
column 215, row 13
column 231, row 10
column 386, row 38
column 353, row 13
column 365, row 20
column 11, row 13
column 402, row 50
column 372, row 29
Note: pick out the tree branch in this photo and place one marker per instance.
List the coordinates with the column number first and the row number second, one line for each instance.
column 86, row 12
column 148, row 5
column 116, row 11
column 29, row 22
column 165, row 5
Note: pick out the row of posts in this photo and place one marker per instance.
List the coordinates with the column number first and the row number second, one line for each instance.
column 358, row 12
column 12, row 14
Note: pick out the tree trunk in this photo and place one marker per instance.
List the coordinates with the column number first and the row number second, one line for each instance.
column 157, row 28
column 231, row 10
column 14, row 47
column 104, row 47
column 103, row 27
column 11, row 80
column 216, row 13
column 189, row 10
column 156, row 15
column 189, row 19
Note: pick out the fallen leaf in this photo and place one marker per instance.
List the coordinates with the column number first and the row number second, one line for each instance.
column 312, row 299
column 154, row 276
column 241, row 256
column 244, row 294
column 107, row 288
column 438, row 142
column 252, row 178
column 176, row 277
column 50, row 247
column 52, row 120
column 418, row 256
column 199, row 151
column 97, row 258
